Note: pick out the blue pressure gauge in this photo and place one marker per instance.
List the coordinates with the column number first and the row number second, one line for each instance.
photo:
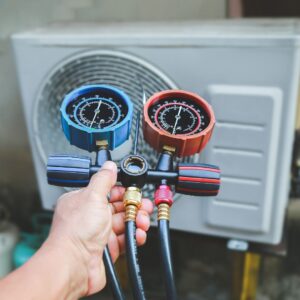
column 96, row 113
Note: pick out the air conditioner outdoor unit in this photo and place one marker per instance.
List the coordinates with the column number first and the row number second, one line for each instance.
column 248, row 70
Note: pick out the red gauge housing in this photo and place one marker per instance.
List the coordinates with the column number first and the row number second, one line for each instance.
column 185, row 144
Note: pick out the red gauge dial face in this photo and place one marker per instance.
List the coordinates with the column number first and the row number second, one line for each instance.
column 178, row 119
column 178, row 116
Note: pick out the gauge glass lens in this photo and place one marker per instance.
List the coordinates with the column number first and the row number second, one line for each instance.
column 179, row 116
column 97, row 110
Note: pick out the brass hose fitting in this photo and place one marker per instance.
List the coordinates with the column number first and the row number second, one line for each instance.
column 102, row 144
column 169, row 149
column 163, row 212
column 132, row 201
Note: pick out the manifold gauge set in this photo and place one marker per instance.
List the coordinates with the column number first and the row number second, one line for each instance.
column 176, row 123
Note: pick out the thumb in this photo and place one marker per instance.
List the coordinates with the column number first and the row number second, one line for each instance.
column 102, row 182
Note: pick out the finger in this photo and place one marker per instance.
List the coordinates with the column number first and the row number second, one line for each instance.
column 116, row 194
column 143, row 220
column 147, row 205
column 102, row 182
column 117, row 207
column 113, row 246
column 118, row 224
column 141, row 237
column 121, row 242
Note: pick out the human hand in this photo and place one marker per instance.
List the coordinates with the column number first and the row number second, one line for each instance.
column 84, row 222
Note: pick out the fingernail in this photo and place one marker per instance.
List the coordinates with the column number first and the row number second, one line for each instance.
column 109, row 165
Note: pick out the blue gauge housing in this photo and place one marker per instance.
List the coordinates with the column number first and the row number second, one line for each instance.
column 83, row 132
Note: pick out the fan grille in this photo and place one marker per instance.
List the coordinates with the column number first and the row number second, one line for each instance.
column 118, row 69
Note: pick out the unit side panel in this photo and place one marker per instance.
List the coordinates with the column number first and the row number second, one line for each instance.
column 245, row 146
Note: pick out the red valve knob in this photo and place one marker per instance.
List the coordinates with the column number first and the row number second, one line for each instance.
column 198, row 179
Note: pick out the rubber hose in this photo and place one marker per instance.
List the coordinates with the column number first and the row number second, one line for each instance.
column 165, row 251
column 133, row 263
column 112, row 276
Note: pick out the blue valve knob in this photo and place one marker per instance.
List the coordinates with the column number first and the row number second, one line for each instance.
column 95, row 113
column 70, row 171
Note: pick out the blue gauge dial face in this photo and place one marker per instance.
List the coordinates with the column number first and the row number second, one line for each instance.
column 97, row 110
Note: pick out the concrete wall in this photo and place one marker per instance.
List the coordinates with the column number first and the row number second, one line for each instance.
column 18, row 15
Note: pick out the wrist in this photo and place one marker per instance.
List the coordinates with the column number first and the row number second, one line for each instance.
column 71, row 262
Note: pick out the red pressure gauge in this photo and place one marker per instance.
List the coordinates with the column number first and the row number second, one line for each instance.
column 178, row 119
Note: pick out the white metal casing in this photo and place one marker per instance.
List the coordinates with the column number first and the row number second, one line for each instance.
column 247, row 69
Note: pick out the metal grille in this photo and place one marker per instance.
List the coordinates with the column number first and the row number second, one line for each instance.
column 118, row 69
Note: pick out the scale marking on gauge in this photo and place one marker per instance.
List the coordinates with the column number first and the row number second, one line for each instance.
column 178, row 117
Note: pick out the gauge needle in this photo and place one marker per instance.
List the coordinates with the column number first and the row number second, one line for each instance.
column 96, row 112
column 177, row 118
